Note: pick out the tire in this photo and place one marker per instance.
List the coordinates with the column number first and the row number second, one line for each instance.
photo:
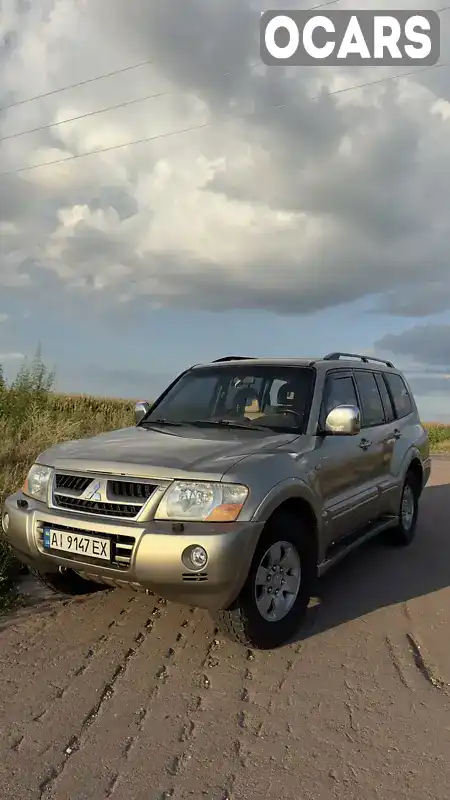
column 68, row 582
column 404, row 533
column 243, row 622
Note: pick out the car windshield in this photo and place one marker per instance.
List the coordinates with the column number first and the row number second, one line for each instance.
column 267, row 397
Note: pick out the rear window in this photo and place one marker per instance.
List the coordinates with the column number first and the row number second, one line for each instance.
column 400, row 394
column 389, row 411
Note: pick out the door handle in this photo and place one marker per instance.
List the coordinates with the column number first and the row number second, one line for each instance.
column 396, row 434
column 365, row 444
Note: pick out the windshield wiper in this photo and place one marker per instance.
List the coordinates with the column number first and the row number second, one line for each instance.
column 162, row 421
column 228, row 423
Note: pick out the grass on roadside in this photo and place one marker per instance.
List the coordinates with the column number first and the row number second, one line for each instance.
column 32, row 418
column 439, row 435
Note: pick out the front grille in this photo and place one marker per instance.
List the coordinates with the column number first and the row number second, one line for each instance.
column 90, row 507
column 136, row 491
column 121, row 547
column 110, row 497
column 77, row 483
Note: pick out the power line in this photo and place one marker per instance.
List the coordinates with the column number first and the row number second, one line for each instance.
column 75, row 85
column 138, row 100
column 114, row 107
column 204, row 125
column 85, row 115
column 120, row 71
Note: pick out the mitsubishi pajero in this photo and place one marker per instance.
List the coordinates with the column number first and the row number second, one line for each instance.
column 241, row 485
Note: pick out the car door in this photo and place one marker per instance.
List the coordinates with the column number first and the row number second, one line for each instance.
column 377, row 442
column 402, row 433
column 340, row 467
column 389, row 484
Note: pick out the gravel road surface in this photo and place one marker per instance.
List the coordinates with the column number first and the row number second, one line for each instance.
column 126, row 697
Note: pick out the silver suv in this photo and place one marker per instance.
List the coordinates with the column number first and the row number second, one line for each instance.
column 246, row 480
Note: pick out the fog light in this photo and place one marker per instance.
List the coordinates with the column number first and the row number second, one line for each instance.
column 199, row 557
column 195, row 557
column 5, row 522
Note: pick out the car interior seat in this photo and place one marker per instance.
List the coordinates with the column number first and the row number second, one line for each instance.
column 246, row 404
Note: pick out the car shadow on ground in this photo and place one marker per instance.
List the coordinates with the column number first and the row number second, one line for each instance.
column 376, row 576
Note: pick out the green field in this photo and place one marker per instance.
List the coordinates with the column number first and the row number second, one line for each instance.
column 33, row 417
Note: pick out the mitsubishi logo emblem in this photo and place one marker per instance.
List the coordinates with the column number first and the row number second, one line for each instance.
column 95, row 493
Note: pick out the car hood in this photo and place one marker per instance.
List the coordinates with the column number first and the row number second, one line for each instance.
column 164, row 453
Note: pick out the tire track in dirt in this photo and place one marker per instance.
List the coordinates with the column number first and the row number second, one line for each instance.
column 29, row 634
column 165, row 751
column 38, row 750
column 211, row 757
column 204, row 686
column 42, row 617
column 33, row 705
column 425, row 669
column 115, row 724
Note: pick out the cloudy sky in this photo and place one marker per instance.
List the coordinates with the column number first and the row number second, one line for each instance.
column 302, row 215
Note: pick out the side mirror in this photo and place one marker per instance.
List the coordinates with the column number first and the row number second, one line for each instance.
column 140, row 410
column 343, row 421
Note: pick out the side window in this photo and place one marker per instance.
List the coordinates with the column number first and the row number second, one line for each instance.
column 339, row 391
column 389, row 411
column 400, row 394
column 372, row 407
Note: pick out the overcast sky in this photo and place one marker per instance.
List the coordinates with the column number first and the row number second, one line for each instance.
column 296, row 222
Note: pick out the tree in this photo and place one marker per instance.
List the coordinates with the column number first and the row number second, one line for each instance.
column 34, row 378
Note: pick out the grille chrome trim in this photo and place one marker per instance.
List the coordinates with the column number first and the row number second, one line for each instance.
column 108, row 496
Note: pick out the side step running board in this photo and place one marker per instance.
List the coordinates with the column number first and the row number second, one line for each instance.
column 344, row 546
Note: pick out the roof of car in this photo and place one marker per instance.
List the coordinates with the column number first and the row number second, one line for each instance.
column 343, row 360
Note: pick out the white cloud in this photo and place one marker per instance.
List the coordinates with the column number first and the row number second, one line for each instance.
column 292, row 209
column 11, row 356
column 4, row 317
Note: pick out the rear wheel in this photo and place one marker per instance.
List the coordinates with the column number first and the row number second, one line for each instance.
column 275, row 597
column 68, row 582
column 404, row 533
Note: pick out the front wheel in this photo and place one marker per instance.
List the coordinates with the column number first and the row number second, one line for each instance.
column 275, row 597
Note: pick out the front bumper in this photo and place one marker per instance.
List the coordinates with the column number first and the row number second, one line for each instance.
column 155, row 562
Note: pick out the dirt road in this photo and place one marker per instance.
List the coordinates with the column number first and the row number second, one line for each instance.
column 121, row 696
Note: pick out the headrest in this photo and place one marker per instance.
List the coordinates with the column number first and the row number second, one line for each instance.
column 244, row 397
column 286, row 394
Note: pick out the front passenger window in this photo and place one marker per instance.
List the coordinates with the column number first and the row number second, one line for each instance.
column 338, row 392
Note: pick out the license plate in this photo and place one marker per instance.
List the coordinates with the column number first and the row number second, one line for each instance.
column 91, row 546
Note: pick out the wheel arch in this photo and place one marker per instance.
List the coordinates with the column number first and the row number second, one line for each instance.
column 301, row 508
column 415, row 468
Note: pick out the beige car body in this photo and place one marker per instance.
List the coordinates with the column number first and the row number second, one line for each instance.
column 346, row 492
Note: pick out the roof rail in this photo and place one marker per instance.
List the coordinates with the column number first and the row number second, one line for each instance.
column 233, row 358
column 366, row 359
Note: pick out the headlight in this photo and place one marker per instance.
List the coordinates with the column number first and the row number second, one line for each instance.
column 202, row 502
column 36, row 484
